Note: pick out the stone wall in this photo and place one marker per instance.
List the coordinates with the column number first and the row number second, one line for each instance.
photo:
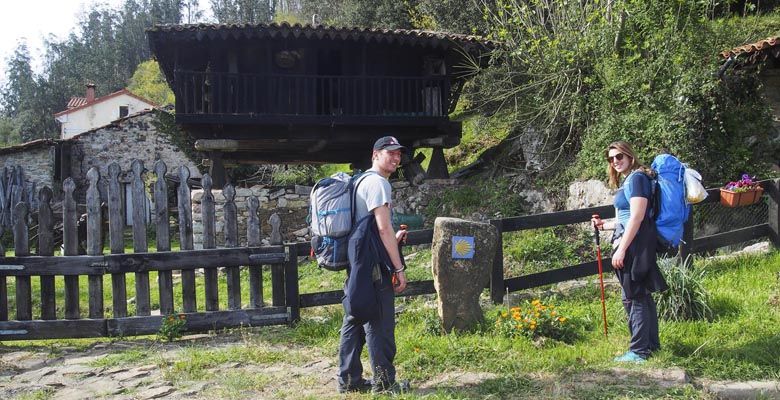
column 290, row 203
column 125, row 140
column 37, row 163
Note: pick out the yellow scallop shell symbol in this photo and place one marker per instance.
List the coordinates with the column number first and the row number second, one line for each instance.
column 462, row 247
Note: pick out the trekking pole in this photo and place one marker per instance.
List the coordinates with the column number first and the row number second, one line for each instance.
column 601, row 274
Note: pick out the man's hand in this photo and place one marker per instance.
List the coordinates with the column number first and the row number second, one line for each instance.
column 618, row 257
column 399, row 281
column 400, row 236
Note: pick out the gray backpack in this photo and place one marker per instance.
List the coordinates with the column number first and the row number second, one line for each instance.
column 331, row 216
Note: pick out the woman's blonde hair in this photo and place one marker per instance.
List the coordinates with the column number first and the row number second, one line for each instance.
column 626, row 149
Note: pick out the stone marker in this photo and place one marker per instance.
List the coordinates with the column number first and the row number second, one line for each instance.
column 462, row 253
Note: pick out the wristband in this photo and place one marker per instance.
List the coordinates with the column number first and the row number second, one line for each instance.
column 402, row 269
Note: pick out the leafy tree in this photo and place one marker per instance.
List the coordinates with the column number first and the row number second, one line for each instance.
column 20, row 80
column 243, row 11
column 149, row 83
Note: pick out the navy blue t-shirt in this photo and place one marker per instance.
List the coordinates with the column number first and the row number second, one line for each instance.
column 637, row 184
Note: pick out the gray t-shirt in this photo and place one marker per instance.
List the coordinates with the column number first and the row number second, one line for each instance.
column 372, row 192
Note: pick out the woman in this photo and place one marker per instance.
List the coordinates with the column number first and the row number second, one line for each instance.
column 634, row 247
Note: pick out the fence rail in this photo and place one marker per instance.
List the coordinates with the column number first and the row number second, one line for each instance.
column 285, row 302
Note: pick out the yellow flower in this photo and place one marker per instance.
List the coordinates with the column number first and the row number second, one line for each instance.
column 516, row 317
column 416, row 349
column 553, row 313
column 562, row 319
column 537, row 315
column 504, row 314
column 515, row 309
column 536, row 302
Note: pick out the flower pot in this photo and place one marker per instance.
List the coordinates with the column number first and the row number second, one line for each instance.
column 730, row 198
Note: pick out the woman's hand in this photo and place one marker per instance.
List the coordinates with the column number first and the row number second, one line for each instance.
column 618, row 257
column 597, row 222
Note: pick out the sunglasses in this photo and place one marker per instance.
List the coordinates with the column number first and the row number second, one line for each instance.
column 618, row 156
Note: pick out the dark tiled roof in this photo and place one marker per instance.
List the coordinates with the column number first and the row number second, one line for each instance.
column 76, row 102
column 752, row 53
column 284, row 30
column 27, row 146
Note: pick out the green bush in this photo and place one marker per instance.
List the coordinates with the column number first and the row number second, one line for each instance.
column 540, row 250
column 686, row 299
column 492, row 198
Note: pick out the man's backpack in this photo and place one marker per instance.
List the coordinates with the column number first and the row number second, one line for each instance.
column 332, row 216
column 670, row 208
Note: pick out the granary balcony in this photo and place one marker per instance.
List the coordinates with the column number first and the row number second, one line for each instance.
column 244, row 98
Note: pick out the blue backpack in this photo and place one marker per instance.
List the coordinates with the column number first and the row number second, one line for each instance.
column 670, row 208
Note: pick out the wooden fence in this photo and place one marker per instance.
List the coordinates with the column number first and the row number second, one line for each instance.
column 286, row 301
column 72, row 321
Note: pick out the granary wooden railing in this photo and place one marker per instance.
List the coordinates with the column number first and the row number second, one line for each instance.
column 237, row 97
column 500, row 285
column 45, row 321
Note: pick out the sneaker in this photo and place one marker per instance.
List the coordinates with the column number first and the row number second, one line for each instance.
column 630, row 356
column 396, row 387
column 362, row 386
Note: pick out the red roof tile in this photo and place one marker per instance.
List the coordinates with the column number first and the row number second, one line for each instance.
column 76, row 102
column 754, row 52
column 100, row 99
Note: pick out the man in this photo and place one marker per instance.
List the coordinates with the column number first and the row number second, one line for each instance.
column 373, row 196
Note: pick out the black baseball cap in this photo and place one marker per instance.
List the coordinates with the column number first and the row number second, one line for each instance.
column 388, row 143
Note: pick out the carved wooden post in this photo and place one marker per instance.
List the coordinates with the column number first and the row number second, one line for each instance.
column 140, row 245
column 163, row 235
column 46, row 248
column 253, row 240
column 231, row 240
column 208, row 216
column 116, row 227
column 291, row 283
column 70, row 242
column 277, row 270
column 185, row 237
column 94, row 242
column 22, row 249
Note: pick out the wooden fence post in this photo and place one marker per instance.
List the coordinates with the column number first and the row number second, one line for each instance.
column 497, row 272
column 184, row 203
column 291, row 283
column 208, row 217
column 116, row 227
column 231, row 240
column 277, row 270
column 70, row 242
column 22, row 249
column 140, row 245
column 253, row 240
column 163, row 234
column 94, row 242
column 773, row 191
column 46, row 248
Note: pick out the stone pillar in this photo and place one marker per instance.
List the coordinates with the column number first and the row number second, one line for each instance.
column 462, row 254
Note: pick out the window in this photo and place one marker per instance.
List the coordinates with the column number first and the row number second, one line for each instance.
column 123, row 111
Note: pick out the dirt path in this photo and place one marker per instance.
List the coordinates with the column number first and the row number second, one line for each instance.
column 241, row 366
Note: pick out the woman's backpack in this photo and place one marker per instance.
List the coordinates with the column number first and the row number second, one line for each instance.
column 671, row 210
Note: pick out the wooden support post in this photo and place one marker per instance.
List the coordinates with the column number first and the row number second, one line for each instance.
column 772, row 189
column 291, row 283
column 277, row 270
column 217, row 169
column 437, row 167
column 497, row 272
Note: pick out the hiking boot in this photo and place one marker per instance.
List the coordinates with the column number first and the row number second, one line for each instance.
column 396, row 387
column 362, row 386
column 630, row 356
